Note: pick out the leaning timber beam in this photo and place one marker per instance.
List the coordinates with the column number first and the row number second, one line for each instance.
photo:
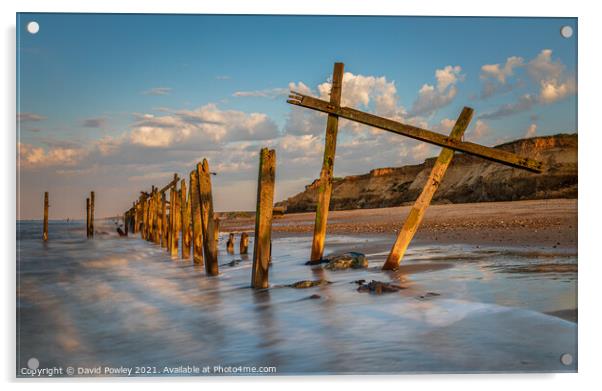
column 417, row 133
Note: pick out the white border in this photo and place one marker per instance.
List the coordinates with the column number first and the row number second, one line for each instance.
column 589, row 213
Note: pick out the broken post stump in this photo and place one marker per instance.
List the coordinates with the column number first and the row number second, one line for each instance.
column 210, row 230
column 244, row 243
column 185, row 218
column 432, row 184
column 88, row 217
column 263, row 218
column 326, row 174
column 91, row 214
column 45, row 224
column 197, row 224
column 230, row 244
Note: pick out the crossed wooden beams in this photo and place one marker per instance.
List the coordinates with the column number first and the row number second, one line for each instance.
column 450, row 144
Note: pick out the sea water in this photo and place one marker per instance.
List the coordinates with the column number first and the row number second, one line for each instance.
column 114, row 306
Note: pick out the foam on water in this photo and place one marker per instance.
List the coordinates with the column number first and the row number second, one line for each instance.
column 125, row 302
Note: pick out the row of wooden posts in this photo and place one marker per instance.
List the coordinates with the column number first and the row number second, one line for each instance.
column 187, row 215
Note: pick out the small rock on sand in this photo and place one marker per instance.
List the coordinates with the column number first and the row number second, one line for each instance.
column 348, row 260
column 377, row 287
column 308, row 284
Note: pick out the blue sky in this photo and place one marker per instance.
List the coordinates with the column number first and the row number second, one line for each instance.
column 120, row 102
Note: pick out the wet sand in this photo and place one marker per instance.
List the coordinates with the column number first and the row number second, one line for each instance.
column 546, row 224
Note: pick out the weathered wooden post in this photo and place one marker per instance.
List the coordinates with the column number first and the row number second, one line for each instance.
column 91, row 214
column 158, row 219
column 244, row 243
column 173, row 225
column 263, row 218
column 432, row 184
column 126, row 223
column 88, row 217
column 326, row 175
column 230, row 244
column 216, row 231
column 164, row 228
column 135, row 217
column 197, row 224
column 185, row 218
column 208, row 219
column 45, row 224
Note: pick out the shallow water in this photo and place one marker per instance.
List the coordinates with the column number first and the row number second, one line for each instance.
column 122, row 302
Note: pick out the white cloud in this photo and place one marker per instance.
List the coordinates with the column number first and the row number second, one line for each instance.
column 550, row 76
column 554, row 81
column 33, row 156
column 433, row 97
column 207, row 124
column 531, row 131
column 499, row 72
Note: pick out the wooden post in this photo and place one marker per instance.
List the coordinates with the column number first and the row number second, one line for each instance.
column 164, row 228
column 216, row 230
column 45, row 224
column 151, row 216
column 208, row 219
column 432, row 184
column 173, row 225
column 325, row 182
column 135, row 217
column 126, row 223
column 158, row 219
column 244, row 243
column 230, row 244
column 91, row 214
column 197, row 224
column 492, row 154
column 185, row 217
column 88, row 217
column 263, row 218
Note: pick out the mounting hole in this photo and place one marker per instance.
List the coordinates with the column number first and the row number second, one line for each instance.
column 566, row 359
column 33, row 27
column 566, row 31
column 33, row 363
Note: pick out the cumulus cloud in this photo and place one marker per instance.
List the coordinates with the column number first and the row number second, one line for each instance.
column 501, row 72
column 157, row 91
column 30, row 117
column 550, row 76
column 554, row 81
column 531, row 131
column 372, row 93
column 207, row 124
column 433, row 97
column 34, row 156
column 496, row 77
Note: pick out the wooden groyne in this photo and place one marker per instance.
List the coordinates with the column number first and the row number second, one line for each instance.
column 187, row 218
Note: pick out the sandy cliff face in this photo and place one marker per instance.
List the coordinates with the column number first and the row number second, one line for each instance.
column 468, row 179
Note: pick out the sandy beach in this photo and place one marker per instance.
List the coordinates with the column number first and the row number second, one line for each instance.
column 538, row 223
